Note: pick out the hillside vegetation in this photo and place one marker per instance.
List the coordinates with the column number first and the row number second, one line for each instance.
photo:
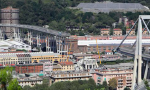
column 57, row 15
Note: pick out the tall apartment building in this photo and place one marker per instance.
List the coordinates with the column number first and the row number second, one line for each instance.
column 123, row 73
column 9, row 15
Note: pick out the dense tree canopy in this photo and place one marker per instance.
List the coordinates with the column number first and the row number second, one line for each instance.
column 67, row 85
column 112, row 83
column 58, row 16
column 6, row 81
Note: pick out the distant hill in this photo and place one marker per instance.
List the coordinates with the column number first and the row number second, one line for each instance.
column 58, row 16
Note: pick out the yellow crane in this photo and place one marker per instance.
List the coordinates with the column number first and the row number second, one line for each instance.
column 98, row 52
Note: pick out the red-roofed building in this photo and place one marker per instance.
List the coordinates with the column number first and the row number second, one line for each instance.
column 108, row 52
column 131, row 33
column 67, row 66
column 105, row 31
column 105, row 37
column 117, row 32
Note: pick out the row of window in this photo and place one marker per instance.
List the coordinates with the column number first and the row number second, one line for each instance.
column 95, row 49
column 28, row 58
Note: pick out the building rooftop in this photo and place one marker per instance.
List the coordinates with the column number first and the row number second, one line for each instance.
column 68, row 72
column 27, row 54
column 108, row 51
column 117, row 29
column 10, row 8
column 105, row 29
column 66, row 63
column 31, row 64
column 130, row 29
column 98, row 37
column 107, row 7
column 110, row 42
column 56, row 66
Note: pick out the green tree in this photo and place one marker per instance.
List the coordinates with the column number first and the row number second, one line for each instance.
column 40, row 2
column 7, row 83
column 112, row 83
column 27, row 87
column 105, row 85
column 146, row 84
column 111, row 31
column 123, row 30
column 81, row 33
column 126, row 88
column 13, row 85
column 5, row 77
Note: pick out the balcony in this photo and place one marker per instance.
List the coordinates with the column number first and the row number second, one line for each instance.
column 129, row 79
column 129, row 85
column 120, row 79
column 120, row 83
column 98, row 80
column 120, row 86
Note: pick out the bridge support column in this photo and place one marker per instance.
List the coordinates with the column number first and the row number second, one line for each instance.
column 47, row 44
column 39, row 43
column 139, row 46
column 1, row 35
column 37, row 40
column 59, row 45
column 146, row 70
column 30, row 38
column 15, row 34
column 18, row 34
column 137, row 79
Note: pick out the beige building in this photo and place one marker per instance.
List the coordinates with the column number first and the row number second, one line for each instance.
column 29, row 81
column 8, row 59
column 123, row 73
column 105, row 32
column 26, row 58
column 69, row 76
column 39, row 56
column 57, row 67
column 66, row 66
column 131, row 33
column 117, row 32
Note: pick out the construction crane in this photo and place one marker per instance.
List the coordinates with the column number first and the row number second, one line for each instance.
column 98, row 52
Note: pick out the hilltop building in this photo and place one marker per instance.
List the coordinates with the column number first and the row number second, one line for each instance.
column 117, row 32
column 132, row 33
column 108, row 6
column 105, row 31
